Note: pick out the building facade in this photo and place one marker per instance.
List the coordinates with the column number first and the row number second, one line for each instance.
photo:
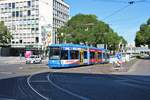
column 33, row 22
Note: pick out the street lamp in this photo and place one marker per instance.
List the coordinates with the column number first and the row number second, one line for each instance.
column 62, row 36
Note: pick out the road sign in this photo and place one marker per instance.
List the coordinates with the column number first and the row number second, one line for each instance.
column 118, row 55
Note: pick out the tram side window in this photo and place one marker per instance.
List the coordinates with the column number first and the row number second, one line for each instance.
column 92, row 55
column 74, row 54
column 100, row 55
column 64, row 54
column 85, row 54
column 104, row 56
column 108, row 55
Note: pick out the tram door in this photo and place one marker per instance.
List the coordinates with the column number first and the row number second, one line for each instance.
column 81, row 57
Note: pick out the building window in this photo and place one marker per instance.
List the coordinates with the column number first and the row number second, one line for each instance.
column 37, row 29
column 29, row 3
column 17, row 13
column 9, row 4
column 37, row 39
column 20, row 41
column 13, row 5
column 13, row 14
column 29, row 13
column 20, row 13
column 32, row 29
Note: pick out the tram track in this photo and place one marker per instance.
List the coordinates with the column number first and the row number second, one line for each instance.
column 49, row 78
column 63, row 89
column 34, row 90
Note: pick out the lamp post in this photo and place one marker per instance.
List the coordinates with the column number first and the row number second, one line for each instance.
column 62, row 36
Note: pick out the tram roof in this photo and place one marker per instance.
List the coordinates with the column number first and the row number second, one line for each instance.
column 69, row 45
column 75, row 45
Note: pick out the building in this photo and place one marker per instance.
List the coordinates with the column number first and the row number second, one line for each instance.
column 131, row 49
column 33, row 22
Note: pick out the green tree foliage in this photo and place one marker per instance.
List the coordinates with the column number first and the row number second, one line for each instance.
column 148, row 22
column 143, row 35
column 5, row 35
column 88, row 29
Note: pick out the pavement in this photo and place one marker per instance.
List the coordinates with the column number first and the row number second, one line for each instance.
column 15, row 60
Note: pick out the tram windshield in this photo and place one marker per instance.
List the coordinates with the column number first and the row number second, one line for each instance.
column 54, row 53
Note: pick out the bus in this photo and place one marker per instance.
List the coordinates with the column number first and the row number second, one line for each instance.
column 71, row 55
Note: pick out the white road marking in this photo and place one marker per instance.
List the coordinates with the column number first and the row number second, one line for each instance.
column 65, row 90
column 39, row 81
column 6, row 73
column 28, row 81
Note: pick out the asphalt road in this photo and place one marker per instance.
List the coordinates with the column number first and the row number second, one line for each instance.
column 65, row 86
column 142, row 67
column 134, row 85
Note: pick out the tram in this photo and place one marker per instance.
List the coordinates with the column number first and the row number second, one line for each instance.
column 71, row 55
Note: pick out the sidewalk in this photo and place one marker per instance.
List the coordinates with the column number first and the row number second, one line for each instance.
column 12, row 60
column 16, row 60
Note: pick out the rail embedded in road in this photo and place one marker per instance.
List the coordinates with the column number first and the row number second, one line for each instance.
column 28, row 81
column 65, row 90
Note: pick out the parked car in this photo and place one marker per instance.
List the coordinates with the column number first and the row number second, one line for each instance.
column 34, row 59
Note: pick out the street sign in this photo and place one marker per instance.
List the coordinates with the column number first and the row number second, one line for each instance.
column 118, row 55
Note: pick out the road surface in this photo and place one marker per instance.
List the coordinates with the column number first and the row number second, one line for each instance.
column 132, row 85
column 142, row 67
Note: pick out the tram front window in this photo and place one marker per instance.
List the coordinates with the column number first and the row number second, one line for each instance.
column 54, row 53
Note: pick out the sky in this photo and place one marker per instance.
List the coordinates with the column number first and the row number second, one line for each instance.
column 126, row 22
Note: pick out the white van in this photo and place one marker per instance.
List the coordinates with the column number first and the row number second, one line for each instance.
column 34, row 59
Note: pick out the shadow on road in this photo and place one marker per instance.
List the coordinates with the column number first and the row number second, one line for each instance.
column 92, row 86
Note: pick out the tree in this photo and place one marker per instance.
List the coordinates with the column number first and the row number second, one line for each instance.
column 88, row 29
column 139, row 39
column 5, row 36
column 148, row 21
column 143, row 35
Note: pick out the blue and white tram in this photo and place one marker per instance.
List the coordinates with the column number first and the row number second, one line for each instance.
column 67, row 55
column 71, row 55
